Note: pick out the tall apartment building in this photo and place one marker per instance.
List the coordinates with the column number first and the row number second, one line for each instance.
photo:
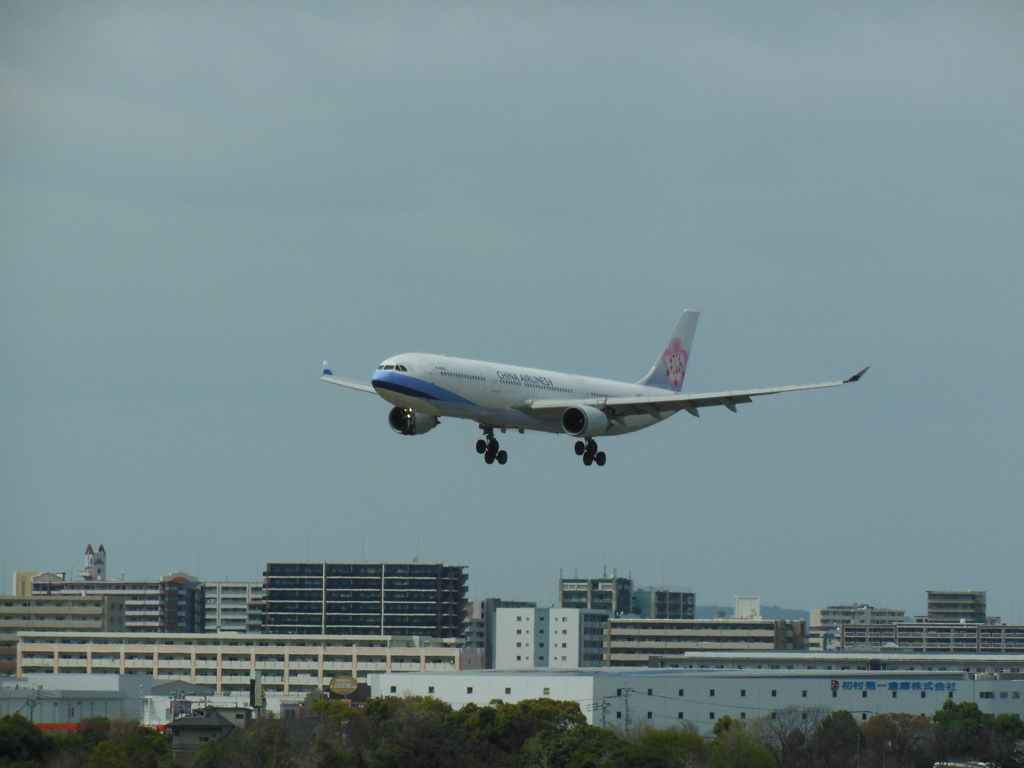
column 960, row 607
column 658, row 603
column 555, row 638
column 635, row 642
column 66, row 613
column 427, row 599
column 617, row 596
column 173, row 604
column 480, row 624
column 609, row 593
column 233, row 606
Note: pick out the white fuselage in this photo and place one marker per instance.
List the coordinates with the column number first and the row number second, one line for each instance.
column 488, row 393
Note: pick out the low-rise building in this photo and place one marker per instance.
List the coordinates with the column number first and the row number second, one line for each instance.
column 823, row 633
column 633, row 642
column 288, row 665
column 942, row 637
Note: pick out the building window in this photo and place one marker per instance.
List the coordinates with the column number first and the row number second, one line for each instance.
column 803, row 694
column 680, row 716
column 618, row 715
column 650, row 715
column 864, row 694
column 774, row 694
column 711, row 715
column 712, row 692
column 394, row 689
column 547, row 691
column 650, row 691
column 922, row 694
column 835, row 694
column 680, row 691
column 743, row 692
column 430, row 689
column 894, row 694
column 469, row 689
column 508, row 691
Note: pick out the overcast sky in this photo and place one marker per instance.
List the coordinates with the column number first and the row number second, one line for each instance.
column 199, row 203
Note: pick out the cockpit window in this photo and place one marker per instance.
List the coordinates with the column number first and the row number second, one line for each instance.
column 389, row 367
column 401, row 368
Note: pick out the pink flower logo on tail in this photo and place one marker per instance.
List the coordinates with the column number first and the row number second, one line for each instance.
column 674, row 359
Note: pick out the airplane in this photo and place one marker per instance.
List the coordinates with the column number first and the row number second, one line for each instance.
column 423, row 388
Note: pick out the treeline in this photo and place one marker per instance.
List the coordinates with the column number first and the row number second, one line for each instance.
column 427, row 733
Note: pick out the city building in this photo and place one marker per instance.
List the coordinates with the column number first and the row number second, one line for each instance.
column 233, row 606
column 558, row 638
column 660, row 603
column 666, row 698
column 823, row 633
column 746, row 607
column 944, row 606
column 99, row 613
column 288, row 665
column 173, row 604
column 635, row 642
column 941, row 637
column 1005, row 664
column 95, row 564
column 612, row 594
column 66, row 699
column 426, row 599
column 479, row 632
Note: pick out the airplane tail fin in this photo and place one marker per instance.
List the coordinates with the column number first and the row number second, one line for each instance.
column 670, row 368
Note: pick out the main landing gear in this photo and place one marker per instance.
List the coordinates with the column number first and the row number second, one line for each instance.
column 488, row 446
column 588, row 450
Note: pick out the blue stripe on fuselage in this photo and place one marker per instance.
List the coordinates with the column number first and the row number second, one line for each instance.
column 410, row 386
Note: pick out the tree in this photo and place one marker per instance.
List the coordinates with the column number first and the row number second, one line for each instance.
column 20, row 740
column 669, row 749
column 735, row 747
column 895, row 740
column 784, row 733
column 960, row 730
column 834, row 743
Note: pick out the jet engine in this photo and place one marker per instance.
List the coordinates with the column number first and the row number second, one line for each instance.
column 584, row 421
column 407, row 422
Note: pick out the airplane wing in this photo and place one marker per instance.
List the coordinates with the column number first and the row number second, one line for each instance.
column 330, row 378
column 655, row 405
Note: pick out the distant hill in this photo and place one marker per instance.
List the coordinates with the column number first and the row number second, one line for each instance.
column 772, row 612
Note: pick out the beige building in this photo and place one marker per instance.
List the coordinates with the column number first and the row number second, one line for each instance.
column 639, row 642
column 289, row 665
column 71, row 613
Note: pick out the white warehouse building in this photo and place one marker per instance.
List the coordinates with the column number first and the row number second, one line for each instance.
column 662, row 698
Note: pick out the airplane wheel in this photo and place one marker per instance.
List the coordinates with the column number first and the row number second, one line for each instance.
column 502, row 457
column 580, row 447
column 600, row 458
column 489, row 458
column 481, row 445
column 588, row 459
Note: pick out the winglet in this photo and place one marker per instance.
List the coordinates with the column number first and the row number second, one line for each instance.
column 327, row 370
column 856, row 376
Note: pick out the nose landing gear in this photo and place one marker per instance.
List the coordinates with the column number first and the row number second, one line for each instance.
column 588, row 450
column 488, row 446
